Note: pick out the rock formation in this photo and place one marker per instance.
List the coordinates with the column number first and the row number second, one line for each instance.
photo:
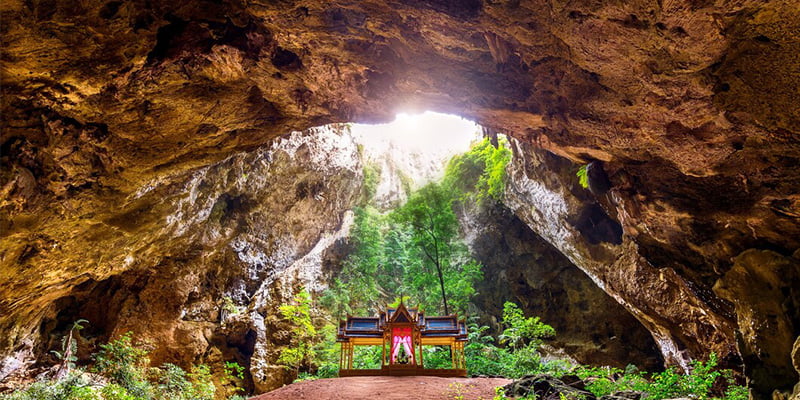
column 198, row 264
column 520, row 266
column 688, row 108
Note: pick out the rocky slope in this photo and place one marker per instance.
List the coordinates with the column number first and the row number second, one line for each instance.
column 195, row 265
column 690, row 106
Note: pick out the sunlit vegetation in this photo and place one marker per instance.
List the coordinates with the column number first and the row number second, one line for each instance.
column 416, row 252
column 583, row 176
column 670, row 384
column 304, row 334
column 479, row 173
column 121, row 371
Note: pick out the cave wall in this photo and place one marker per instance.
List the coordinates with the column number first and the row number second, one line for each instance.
column 688, row 318
column 520, row 266
column 197, row 265
column 690, row 105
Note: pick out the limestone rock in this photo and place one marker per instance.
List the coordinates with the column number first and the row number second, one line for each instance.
column 110, row 107
column 547, row 388
column 758, row 285
column 522, row 267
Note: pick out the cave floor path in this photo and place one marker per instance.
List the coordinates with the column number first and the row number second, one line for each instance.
column 388, row 388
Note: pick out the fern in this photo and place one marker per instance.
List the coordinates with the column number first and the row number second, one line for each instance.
column 583, row 176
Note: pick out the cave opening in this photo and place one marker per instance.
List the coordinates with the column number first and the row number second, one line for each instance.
column 421, row 143
column 324, row 211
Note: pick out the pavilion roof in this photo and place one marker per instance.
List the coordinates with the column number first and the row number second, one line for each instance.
column 429, row 326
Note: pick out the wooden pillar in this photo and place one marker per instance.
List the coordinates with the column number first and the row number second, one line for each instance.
column 462, row 355
column 341, row 356
column 350, row 359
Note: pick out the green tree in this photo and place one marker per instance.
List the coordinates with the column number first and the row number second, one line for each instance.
column 480, row 172
column 429, row 212
column 357, row 288
column 433, row 232
column 304, row 334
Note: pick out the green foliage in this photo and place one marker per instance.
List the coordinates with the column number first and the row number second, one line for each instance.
column 523, row 332
column 367, row 357
column 304, row 334
column 201, row 387
column 403, row 253
column 233, row 377
column 441, row 259
column 458, row 390
column 233, row 370
column 69, row 346
column 229, row 306
column 697, row 384
column 172, row 380
column 481, row 171
column 736, row 392
column 327, row 353
column 583, row 176
column 483, row 357
column 359, row 285
column 372, row 176
column 522, row 337
column 113, row 391
column 436, row 357
column 75, row 386
column 124, row 364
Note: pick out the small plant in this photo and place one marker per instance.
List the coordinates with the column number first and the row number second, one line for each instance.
column 113, row 391
column 736, row 392
column 305, row 376
column 458, row 390
column 202, row 387
column 229, row 307
column 696, row 384
column 172, row 380
column 499, row 393
column 583, row 176
column 233, row 370
column 521, row 331
column 233, row 373
column 69, row 347
column 123, row 366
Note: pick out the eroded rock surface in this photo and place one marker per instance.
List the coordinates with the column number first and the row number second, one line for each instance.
column 690, row 106
column 519, row 266
column 197, row 265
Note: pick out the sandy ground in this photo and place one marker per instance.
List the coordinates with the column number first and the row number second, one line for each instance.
column 388, row 388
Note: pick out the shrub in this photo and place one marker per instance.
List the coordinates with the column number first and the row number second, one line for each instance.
column 481, row 171
column 124, row 364
column 201, row 386
column 298, row 315
column 75, row 386
column 114, row 391
column 696, row 384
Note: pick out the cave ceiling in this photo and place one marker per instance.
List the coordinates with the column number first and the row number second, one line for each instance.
column 690, row 106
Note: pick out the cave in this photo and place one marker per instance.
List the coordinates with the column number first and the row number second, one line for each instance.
column 141, row 139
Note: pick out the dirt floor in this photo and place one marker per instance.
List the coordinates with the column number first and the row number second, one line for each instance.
column 389, row 388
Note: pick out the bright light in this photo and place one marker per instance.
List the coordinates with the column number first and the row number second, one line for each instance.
column 432, row 133
column 418, row 146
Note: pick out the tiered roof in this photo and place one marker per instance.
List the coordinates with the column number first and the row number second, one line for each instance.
column 429, row 327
